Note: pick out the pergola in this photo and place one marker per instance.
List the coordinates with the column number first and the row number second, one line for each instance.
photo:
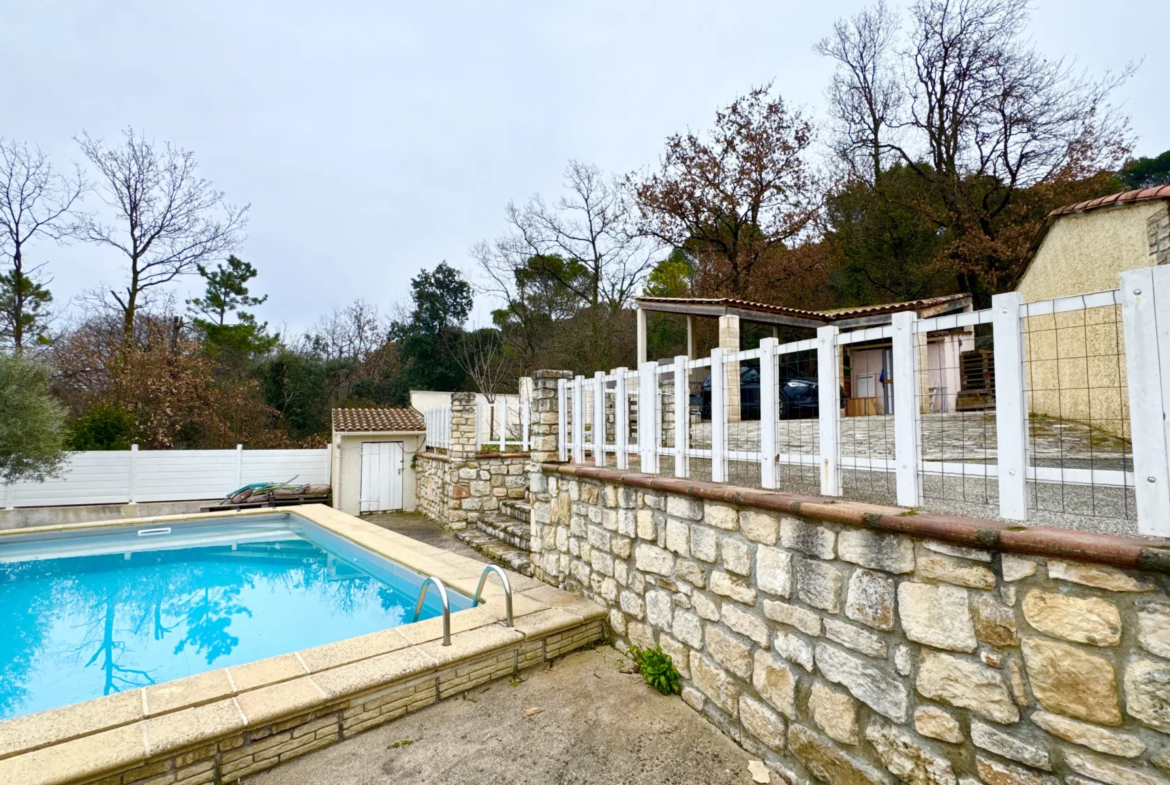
column 730, row 312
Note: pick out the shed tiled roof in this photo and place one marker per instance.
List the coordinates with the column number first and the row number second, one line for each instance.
column 402, row 420
column 824, row 317
column 837, row 314
column 1127, row 197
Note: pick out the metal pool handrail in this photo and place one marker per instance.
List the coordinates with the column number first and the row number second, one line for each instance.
column 422, row 595
column 507, row 588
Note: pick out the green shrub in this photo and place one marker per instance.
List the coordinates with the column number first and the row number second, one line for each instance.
column 657, row 669
column 103, row 427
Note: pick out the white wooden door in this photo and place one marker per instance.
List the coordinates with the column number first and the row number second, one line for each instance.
column 381, row 476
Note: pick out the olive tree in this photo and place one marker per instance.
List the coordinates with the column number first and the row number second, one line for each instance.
column 32, row 430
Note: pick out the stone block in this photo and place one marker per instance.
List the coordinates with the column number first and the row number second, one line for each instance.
column 877, row 551
column 935, row 723
column 937, row 616
column 967, row 685
column 834, row 713
column 1010, row 745
column 907, row 758
column 995, row 623
column 730, row 651
column 651, row 558
column 818, row 584
column 802, row 619
column 1071, row 681
column 1077, row 619
column 948, row 569
column 870, row 599
column 1154, row 628
column 775, row 682
column 737, row 555
column 763, row 723
column 759, row 526
column 773, row 570
column 1104, row 770
column 1147, row 693
column 598, row 537
column 814, row 539
column 659, row 609
column 865, row 681
column 704, row 542
column 747, row 624
column 856, row 638
column 720, row 516
column 1094, row 737
column 794, row 648
column 733, row 586
column 688, row 628
column 829, row 764
column 678, row 537
column 715, row 683
column 680, row 655
column 631, row 604
column 682, row 507
column 994, row 772
column 1097, row 576
column 705, row 607
column 646, row 529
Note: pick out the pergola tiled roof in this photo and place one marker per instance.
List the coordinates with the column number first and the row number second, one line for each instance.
column 398, row 420
column 795, row 317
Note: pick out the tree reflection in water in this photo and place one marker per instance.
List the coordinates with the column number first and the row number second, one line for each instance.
column 63, row 618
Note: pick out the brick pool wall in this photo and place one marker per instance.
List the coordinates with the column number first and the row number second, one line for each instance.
column 855, row 644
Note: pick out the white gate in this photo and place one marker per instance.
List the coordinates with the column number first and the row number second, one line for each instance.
column 381, row 476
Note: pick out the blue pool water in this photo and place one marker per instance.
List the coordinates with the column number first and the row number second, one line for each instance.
column 85, row 614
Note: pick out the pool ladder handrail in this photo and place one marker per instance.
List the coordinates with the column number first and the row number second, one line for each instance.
column 422, row 595
column 488, row 570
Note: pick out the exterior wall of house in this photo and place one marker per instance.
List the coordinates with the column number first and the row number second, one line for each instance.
column 347, row 479
column 1085, row 252
column 1075, row 362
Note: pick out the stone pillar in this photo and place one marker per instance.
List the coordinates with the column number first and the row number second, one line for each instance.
column 544, row 497
column 729, row 341
column 462, row 467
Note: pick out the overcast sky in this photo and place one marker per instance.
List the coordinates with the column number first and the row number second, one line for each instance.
column 376, row 138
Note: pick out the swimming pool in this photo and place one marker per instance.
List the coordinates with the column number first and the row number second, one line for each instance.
column 92, row 612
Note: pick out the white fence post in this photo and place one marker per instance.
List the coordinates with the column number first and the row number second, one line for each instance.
column 682, row 410
column 133, row 472
column 621, row 418
column 1011, row 410
column 502, row 407
column 562, row 420
column 525, row 425
column 648, row 416
column 579, row 420
column 769, row 406
column 829, row 410
column 599, row 418
column 239, row 465
column 906, row 417
column 718, row 417
column 1145, row 301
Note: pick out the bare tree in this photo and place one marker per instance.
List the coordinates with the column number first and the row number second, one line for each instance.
column 864, row 94
column 985, row 117
column 482, row 356
column 169, row 220
column 580, row 254
column 35, row 202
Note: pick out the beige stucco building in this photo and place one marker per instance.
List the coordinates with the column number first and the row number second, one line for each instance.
column 373, row 451
column 1075, row 361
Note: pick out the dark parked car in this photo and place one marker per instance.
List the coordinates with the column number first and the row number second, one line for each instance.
column 798, row 395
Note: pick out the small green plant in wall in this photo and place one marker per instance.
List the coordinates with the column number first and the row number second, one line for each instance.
column 657, row 669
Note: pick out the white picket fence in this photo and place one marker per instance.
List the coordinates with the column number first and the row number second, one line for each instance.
column 1026, row 464
column 504, row 424
column 128, row 476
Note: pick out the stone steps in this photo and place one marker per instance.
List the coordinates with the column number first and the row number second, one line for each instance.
column 507, row 530
column 517, row 510
column 499, row 551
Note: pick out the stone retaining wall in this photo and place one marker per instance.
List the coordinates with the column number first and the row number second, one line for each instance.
column 457, row 496
column 430, row 484
column 851, row 644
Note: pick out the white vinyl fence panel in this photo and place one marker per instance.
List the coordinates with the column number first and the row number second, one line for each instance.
column 120, row 477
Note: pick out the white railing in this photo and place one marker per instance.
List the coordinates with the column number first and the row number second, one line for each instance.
column 132, row 476
column 505, row 424
column 1074, row 420
column 438, row 422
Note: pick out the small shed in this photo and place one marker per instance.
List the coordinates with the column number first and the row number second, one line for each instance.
column 373, row 450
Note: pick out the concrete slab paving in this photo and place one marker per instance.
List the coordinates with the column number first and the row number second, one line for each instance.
column 424, row 530
column 582, row 720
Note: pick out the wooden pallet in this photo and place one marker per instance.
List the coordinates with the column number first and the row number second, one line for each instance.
column 977, row 377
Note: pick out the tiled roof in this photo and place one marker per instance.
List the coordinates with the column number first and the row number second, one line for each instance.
column 1128, row 197
column 827, row 317
column 380, row 419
